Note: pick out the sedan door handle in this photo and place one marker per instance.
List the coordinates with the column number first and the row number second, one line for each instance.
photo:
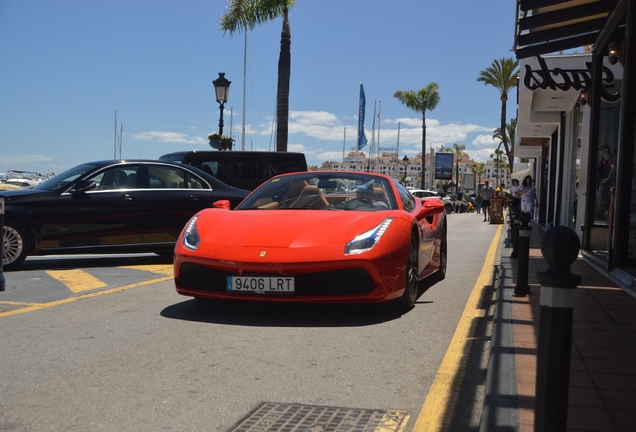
column 130, row 197
column 195, row 197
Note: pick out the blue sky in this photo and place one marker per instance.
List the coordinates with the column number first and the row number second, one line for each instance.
column 66, row 66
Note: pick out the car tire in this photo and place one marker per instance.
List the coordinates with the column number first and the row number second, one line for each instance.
column 449, row 208
column 443, row 258
column 411, row 283
column 16, row 245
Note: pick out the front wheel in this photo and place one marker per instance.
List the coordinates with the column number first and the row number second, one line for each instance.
column 440, row 274
column 15, row 246
column 407, row 301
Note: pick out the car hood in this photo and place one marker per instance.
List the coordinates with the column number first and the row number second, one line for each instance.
column 22, row 194
column 284, row 228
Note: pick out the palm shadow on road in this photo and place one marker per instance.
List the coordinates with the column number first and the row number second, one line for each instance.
column 270, row 314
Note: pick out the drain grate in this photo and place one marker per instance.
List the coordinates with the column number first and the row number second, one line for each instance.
column 279, row 417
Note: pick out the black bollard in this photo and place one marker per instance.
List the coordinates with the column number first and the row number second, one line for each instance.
column 514, row 214
column 3, row 281
column 522, row 288
column 560, row 247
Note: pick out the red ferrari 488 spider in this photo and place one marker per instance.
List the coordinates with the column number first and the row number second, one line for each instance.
column 315, row 237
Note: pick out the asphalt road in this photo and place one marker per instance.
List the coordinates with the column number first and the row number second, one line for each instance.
column 132, row 355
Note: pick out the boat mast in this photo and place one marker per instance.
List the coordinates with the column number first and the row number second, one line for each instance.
column 344, row 141
column 244, row 90
column 377, row 158
column 115, row 139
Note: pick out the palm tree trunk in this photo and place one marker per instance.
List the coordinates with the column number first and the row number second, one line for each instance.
column 423, row 148
column 504, row 135
column 282, row 94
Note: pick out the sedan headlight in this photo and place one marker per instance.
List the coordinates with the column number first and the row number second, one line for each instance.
column 368, row 240
column 191, row 238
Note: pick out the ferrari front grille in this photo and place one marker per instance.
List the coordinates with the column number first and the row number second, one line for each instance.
column 346, row 282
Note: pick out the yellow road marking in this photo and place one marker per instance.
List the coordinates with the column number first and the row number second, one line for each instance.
column 443, row 394
column 76, row 280
column 84, row 296
column 14, row 303
column 166, row 269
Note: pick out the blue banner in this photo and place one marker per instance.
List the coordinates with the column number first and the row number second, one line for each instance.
column 362, row 138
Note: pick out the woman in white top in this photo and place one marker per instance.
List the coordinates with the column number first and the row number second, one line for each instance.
column 514, row 191
column 528, row 194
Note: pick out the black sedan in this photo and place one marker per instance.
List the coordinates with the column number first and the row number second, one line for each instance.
column 114, row 206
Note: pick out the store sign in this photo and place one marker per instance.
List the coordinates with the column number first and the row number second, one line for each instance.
column 444, row 166
column 566, row 79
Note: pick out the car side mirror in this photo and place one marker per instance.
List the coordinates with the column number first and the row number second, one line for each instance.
column 222, row 204
column 430, row 207
column 83, row 186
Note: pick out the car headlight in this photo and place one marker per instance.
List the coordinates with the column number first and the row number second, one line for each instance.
column 191, row 238
column 368, row 240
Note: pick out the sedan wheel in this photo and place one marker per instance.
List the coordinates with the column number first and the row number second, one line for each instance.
column 15, row 246
column 407, row 301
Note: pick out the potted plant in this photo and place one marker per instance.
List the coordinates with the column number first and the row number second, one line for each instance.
column 220, row 142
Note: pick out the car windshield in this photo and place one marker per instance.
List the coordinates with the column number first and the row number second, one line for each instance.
column 63, row 179
column 324, row 191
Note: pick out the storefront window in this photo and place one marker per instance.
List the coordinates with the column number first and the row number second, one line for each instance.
column 606, row 160
column 631, row 251
column 576, row 165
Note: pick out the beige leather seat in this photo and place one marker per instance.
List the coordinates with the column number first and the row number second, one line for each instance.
column 310, row 197
column 295, row 188
column 374, row 195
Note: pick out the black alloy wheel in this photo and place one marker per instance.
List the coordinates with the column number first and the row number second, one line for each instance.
column 411, row 283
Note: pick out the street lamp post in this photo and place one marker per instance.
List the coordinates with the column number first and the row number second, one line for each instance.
column 405, row 160
column 222, row 88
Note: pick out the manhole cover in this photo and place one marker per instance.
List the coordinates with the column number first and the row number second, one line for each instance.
column 273, row 417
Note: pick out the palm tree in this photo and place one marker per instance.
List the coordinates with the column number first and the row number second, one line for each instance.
column 502, row 75
column 424, row 99
column 458, row 152
column 479, row 170
column 497, row 156
column 244, row 15
column 510, row 132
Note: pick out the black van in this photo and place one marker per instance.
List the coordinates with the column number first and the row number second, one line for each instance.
column 241, row 169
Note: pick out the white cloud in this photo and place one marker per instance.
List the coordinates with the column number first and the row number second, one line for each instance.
column 324, row 132
column 169, row 137
column 485, row 141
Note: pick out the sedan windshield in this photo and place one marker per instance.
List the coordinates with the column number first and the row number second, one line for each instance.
column 63, row 179
column 325, row 191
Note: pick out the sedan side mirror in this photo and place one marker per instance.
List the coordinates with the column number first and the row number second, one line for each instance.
column 83, row 186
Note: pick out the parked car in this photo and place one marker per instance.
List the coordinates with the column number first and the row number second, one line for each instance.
column 320, row 236
column 459, row 206
column 423, row 193
column 109, row 206
column 242, row 169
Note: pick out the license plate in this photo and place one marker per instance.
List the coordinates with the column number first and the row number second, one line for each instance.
column 261, row 285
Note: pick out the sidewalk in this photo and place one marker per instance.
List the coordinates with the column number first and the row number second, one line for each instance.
column 602, row 386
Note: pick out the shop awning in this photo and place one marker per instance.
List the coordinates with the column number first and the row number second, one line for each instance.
column 519, row 175
column 548, row 26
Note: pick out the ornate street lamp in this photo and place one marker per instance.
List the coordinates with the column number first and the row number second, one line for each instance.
column 405, row 160
column 222, row 88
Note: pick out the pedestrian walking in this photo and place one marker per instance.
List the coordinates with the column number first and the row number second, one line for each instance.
column 514, row 191
column 486, row 194
column 528, row 194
